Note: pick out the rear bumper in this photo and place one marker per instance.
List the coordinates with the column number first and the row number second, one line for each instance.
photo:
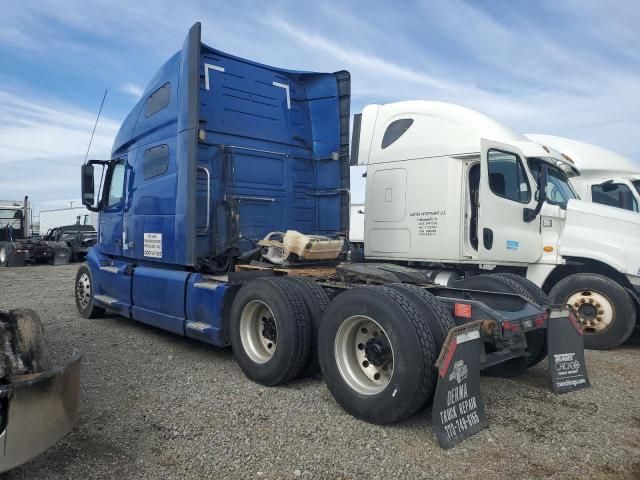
column 37, row 411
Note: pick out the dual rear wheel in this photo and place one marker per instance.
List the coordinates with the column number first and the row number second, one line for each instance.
column 376, row 346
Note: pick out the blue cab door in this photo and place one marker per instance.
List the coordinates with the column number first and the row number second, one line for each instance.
column 111, row 215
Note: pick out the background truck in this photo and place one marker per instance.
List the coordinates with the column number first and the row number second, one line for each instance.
column 17, row 245
column 222, row 152
column 79, row 239
column 605, row 177
column 58, row 217
column 451, row 189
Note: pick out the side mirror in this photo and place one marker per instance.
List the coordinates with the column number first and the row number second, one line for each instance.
column 529, row 215
column 88, row 194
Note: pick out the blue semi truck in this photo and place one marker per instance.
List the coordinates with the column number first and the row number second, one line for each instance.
column 219, row 153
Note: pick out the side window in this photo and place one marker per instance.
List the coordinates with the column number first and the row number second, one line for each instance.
column 116, row 185
column 614, row 195
column 155, row 161
column 507, row 177
column 157, row 100
column 395, row 130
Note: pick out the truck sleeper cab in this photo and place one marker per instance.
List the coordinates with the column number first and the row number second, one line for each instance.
column 221, row 151
column 605, row 177
column 449, row 186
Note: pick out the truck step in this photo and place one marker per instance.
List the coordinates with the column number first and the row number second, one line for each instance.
column 210, row 285
column 198, row 326
column 109, row 268
column 106, row 299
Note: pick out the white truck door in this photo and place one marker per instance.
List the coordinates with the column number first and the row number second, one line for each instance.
column 506, row 189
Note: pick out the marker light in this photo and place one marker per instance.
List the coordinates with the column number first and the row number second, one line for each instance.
column 462, row 310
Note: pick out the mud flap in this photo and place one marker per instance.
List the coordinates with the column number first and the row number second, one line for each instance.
column 565, row 344
column 61, row 256
column 458, row 409
column 17, row 258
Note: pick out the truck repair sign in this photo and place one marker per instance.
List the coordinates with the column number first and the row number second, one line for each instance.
column 458, row 409
column 153, row 245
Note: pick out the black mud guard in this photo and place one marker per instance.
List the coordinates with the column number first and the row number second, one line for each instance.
column 61, row 255
column 17, row 258
column 458, row 409
column 565, row 344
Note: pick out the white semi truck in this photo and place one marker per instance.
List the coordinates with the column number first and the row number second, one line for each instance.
column 452, row 189
column 605, row 177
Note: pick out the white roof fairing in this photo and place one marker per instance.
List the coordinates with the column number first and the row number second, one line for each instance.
column 593, row 161
column 438, row 129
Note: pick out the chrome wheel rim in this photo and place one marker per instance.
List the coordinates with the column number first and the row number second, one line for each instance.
column 258, row 331
column 595, row 311
column 83, row 290
column 364, row 355
column 3, row 255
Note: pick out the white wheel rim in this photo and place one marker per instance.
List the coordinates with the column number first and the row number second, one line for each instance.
column 364, row 355
column 83, row 290
column 594, row 310
column 258, row 331
column 3, row 254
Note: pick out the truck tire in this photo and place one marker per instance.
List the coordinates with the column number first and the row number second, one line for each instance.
column 536, row 340
column 270, row 331
column 24, row 348
column 316, row 302
column 605, row 309
column 377, row 354
column 5, row 251
column 84, row 294
column 439, row 318
column 537, row 296
column 534, row 293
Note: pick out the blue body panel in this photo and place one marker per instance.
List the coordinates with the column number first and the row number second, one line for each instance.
column 251, row 149
column 110, row 280
column 166, row 298
column 158, row 297
column 218, row 152
column 205, row 305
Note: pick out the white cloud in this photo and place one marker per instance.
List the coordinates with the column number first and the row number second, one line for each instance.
column 43, row 143
column 558, row 76
column 131, row 89
column 32, row 127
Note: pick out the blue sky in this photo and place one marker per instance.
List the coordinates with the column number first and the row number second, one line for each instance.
column 568, row 68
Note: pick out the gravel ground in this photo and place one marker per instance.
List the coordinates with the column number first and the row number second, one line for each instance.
column 155, row 405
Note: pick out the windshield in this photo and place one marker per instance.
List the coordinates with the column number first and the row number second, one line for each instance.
column 11, row 217
column 636, row 183
column 618, row 195
column 559, row 190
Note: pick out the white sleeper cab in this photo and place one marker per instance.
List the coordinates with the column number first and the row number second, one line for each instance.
column 605, row 177
column 452, row 189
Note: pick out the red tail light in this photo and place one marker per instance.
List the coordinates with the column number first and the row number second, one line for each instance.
column 512, row 327
column 462, row 310
column 540, row 319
